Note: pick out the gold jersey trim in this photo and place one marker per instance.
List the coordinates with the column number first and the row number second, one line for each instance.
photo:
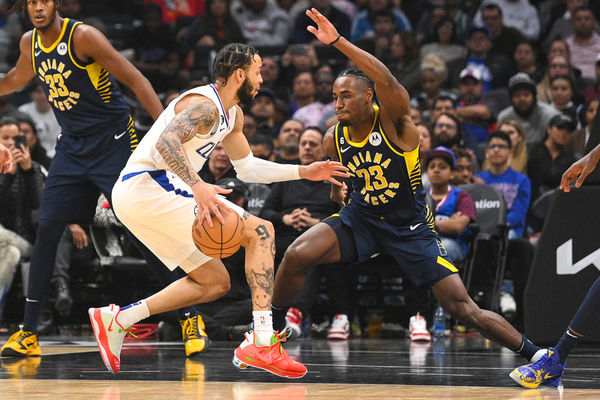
column 56, row 42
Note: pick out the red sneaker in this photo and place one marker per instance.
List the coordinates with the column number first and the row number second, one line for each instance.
column 273, row 358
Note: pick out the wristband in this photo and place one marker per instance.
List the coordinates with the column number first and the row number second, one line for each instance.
column 336, row 40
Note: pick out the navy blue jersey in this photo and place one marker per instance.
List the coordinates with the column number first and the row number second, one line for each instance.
column 84, row 96
column 385, row 180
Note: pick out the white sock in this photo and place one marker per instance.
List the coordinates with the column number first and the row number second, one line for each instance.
column 263, row 327
column 133, row 313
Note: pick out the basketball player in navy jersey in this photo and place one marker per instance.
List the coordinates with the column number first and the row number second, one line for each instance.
column 548, row 370
column 386, row 212
column 75, row 65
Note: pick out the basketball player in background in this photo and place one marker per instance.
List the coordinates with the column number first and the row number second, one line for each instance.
column 387, row 212
column 548, row 370
column 159, row 194
column 75, row 64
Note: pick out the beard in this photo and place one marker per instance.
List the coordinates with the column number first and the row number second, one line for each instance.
column 525, row 112
column 448, row 141
column 244, row 93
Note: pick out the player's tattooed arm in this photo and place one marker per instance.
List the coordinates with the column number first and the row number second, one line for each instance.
column 196, row 119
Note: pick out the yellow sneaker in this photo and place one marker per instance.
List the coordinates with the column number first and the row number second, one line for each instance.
column 21, row 344
column 192, row 330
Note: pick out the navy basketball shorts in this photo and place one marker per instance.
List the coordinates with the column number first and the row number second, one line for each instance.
column 83, row 167
column 415, row 247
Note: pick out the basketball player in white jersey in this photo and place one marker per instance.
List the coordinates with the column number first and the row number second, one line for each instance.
column 159, row 193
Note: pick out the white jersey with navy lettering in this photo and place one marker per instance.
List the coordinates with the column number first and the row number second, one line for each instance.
column 147, row 158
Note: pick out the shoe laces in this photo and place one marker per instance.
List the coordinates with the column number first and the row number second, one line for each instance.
column 128, row 331
column 191, row 329
column 21, row 334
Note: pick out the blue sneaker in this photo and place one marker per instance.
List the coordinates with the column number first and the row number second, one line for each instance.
column 547, row 370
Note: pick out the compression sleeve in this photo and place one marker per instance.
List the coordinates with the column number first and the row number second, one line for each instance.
column 256, row 170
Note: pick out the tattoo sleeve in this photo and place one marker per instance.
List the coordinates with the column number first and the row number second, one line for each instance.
column 197, row 119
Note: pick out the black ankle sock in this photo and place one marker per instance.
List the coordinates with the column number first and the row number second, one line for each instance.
column 527, row 348
column 566, row 344
column 278, row 317
column 33, row 309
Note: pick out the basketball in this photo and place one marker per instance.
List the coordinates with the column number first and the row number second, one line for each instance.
column 222, row 240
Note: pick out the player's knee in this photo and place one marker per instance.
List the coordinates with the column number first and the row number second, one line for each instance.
column 295, row 255
column 222, row 284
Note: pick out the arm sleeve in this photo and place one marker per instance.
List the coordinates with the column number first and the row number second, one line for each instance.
column 257, row 170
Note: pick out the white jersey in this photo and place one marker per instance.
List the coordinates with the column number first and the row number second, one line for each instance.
column 147, row 158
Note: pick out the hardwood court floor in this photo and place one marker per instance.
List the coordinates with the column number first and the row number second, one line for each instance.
column 454, row 368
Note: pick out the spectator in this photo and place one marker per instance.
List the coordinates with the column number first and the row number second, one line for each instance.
column 155, row 53
column 385, row 27
column 453, row 208
column 584, row 44
column 338, row 18
column 495, row 68
column 313, row 113
column 403, row 60
column 21, row 187
column 38, row 154
column 442, row 104
column 40, row 112
column 464, row 169
column 562, row 27
column 462, row 20
column 263, row 22
column 477, row 111
column 297, row 58
column 561, row 87
column 593, row 91
column 514, row 186
column 445, row 44
column 271, row 78
column 504, row 38
column 250, row 125
column 215, row 29
column 425, row 32
column 416, row 116
column 525, row 57
column 549, row 159
column 363, row 26
column 532, row 114
column 582, row 135
column 174, row 11
column 519, row 153
column 263, row 110
column 433, row 74
column 557, row 65
column 303, row 90
column 218, row 166
column 518, row 14
column 287, row 142
column 448, row 132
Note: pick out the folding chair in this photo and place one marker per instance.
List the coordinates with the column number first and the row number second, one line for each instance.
column 486, row 257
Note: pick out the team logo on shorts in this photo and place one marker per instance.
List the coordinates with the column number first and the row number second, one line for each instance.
column 375, row 138
column 441, row 247
column 62, row 48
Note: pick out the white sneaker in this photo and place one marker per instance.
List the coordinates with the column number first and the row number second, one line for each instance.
column 418, row 329
column 293, row 320
column 109, row 335
column 340, row 328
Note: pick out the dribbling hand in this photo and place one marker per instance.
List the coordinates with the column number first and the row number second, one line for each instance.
column 205, row 195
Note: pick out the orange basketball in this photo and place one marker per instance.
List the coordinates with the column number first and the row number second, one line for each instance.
column 222, row 240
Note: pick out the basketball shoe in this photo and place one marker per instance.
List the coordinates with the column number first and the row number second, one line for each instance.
column 547, row 371
column 21, row 344
column 109, row 335
column 340, row 328
column 417, row 329
column 195, row 338
column 272, row 358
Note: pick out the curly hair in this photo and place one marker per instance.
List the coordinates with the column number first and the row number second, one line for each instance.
column 21, row 6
